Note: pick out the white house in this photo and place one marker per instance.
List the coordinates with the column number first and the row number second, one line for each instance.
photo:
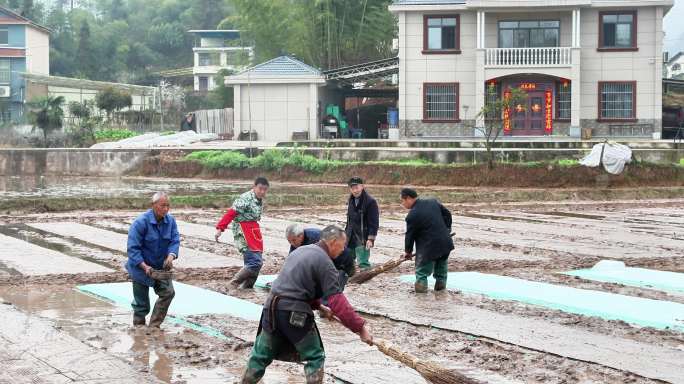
column 277, row 99
column 583, row 63
column 216, row 50
column 674, row 66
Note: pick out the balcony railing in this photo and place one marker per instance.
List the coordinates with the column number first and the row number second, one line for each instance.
column 528, row 57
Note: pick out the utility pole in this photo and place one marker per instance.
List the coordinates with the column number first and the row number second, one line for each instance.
column 161, row 104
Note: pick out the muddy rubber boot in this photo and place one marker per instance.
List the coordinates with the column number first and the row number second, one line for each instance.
column 250, row 376
column 440, row 285
column 315, row 377
column 138, row 321
column 420, row 288
column 159, row 313
column 248, row 283
column 240, row 277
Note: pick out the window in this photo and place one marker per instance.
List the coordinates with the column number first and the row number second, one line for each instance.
column 492, row 92
column 441, row 34
column 617, row 100
column 5, row 73
column 563, row 100
column 617, row 30
column 206, row 59
column 203, row 83
column 4, row 36
column 676, row 67
column 440, row 102
column 524, row 34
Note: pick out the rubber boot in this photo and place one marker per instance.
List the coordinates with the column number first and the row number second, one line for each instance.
column 250, row 376
column 440, row 285
column 315, row 377
column 249, row 281
column 161, row 307
column 240, row 277
column 138, row 321
column 420, row 288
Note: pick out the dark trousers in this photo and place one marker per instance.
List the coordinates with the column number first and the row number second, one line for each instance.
column 269, row 345
column 141, row 300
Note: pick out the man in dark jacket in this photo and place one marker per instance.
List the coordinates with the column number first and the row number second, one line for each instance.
column 363, row 220
column 299, row 236
column 428, row 225
column 287, row 329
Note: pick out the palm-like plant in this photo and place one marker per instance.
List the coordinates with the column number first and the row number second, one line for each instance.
column 46, row 114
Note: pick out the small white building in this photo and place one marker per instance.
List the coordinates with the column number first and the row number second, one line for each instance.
column 674, row 66
column 276, row 99
column 216, row 50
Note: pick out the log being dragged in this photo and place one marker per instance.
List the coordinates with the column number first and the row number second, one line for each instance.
column 363, row 276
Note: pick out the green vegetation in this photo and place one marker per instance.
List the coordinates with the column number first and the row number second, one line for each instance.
column 277, row 159
column 681, row 162
column 114, row 134
column 46, row 113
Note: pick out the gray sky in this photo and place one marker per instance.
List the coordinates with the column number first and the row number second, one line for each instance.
column 674, row 28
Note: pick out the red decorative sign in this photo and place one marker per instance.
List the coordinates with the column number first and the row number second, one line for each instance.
column 548, row 128
column 507, row 114
column 528, row 86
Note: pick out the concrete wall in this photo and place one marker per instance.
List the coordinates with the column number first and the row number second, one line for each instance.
column 275, row 111
column 37, row 51
column 69, row 162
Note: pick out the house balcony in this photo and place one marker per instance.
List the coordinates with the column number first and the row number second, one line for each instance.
column 528, row 57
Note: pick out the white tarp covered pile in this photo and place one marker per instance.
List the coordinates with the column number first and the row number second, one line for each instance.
column 151, row 140
column 615, row 156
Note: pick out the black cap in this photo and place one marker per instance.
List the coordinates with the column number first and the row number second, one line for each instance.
column 355, row 180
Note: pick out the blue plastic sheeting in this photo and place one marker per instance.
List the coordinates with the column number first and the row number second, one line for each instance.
column 264, row 281
column 609, row 306
column 189, row 300
column 615, row 272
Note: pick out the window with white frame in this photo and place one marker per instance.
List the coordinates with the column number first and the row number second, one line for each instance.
column 563, row 100
column 440, row 101
column 5, row 72
column 617, row 100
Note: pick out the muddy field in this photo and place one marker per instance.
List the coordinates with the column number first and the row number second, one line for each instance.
column 45, row 256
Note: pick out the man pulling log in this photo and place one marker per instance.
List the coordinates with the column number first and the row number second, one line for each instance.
column 428, row 226
column 287, row 330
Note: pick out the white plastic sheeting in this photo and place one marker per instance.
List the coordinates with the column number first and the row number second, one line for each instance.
column 151, row 140
column 615, row 156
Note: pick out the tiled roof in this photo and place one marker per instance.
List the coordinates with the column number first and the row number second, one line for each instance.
column 283, row 66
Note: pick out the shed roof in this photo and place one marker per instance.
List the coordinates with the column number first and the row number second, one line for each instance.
column 282, row 69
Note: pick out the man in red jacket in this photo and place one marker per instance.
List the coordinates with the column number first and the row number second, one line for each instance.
column 244, row 218
column 287, row 330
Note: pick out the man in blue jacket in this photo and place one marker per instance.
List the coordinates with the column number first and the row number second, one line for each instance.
column 299, row 236
column 153, row 242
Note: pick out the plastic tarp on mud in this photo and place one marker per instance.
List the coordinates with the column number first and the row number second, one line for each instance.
column 189, row 300
column 151, row 140
column 264, row 281
column 611, row 271
column 614, row 156
column 609, row 306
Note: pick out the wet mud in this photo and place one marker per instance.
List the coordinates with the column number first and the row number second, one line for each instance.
column 533, row 241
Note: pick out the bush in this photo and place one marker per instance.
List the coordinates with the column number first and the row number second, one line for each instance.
column 220, row 159
column 114, row 134
column 567, row 162
column 681, row 162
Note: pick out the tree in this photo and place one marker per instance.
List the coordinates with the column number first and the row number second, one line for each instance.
column 46, row 114
column 84, row 52
column 492, row 113
column 111, row 99
column 221, row 96
column 82, row 133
